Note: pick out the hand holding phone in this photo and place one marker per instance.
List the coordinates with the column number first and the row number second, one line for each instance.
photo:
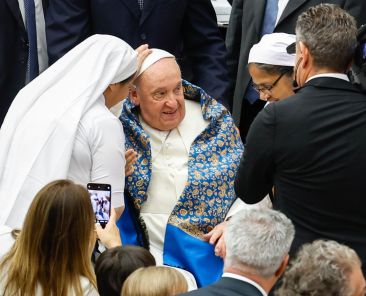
column 109, row 236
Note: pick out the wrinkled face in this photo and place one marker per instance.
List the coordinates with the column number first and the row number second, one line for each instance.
column 357, row 282
column 271, row 87
column 159, row 93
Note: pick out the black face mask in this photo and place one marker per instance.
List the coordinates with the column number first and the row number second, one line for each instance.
column 294, row 83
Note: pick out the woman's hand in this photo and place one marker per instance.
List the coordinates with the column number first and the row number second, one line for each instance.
column 142, row 52
column 216, row 237
column 131, row 157
column 109, row 236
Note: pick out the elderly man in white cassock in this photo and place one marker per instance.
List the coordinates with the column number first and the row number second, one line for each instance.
column 181, row 190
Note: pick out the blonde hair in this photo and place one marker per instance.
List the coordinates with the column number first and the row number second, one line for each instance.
column 154, row 281
column 54, row 247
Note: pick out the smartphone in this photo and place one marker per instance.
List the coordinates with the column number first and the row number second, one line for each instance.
column 100, row 197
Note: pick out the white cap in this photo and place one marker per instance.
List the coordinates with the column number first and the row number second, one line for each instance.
column 271, row 50
column 155, row 55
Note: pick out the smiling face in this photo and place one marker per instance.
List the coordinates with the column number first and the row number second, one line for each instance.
column 159, row 93
column 280, row 87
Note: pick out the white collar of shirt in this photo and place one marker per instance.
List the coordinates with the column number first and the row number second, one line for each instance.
column 245, row 279
column 332, row 75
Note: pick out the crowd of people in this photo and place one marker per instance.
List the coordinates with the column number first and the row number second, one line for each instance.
column 192, row 210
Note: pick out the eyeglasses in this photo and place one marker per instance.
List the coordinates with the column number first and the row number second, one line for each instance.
column 267, row 88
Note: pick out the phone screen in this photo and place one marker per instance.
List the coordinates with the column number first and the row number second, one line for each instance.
column 100, row 197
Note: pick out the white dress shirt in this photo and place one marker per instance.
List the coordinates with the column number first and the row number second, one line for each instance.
column 41, row 33
column 98, row 154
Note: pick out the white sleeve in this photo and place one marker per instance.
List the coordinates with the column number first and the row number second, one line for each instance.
column 108, row 156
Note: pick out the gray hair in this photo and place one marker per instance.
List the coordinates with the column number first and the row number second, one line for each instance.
column 320, row 268
column 330, row 33
column 258, row 240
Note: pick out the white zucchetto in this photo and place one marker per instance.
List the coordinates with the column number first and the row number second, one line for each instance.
column 155, row 55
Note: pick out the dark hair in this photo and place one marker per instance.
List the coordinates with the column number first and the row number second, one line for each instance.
column 115, row 265
column 275, row 69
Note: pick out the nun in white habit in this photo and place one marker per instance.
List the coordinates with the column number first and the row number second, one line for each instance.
column 271, row 67
column 59, row 126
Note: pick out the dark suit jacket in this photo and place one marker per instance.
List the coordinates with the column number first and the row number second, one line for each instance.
column 312, row 148
column 185, row 28
column 13, row 53
column 227, row 287
column 245, row 28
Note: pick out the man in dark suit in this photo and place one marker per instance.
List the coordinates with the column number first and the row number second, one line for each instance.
column 185, row 28
column 245, row 30
column 14, row 50
column 311, row 147
column 257, row 244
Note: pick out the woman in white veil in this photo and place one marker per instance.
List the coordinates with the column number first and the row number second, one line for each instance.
column 59, row 125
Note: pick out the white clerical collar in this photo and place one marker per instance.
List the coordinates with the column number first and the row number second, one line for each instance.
column 332, row 75
column 245, row 279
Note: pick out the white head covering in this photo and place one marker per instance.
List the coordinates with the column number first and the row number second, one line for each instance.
column 155, row 55
column 271, row 50
column 37, row 136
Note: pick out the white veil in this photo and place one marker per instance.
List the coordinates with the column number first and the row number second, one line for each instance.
column 37, row 136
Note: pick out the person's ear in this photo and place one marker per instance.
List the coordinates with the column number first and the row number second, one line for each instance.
column 282, row 267
column 134, row 96
column 304, row 53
